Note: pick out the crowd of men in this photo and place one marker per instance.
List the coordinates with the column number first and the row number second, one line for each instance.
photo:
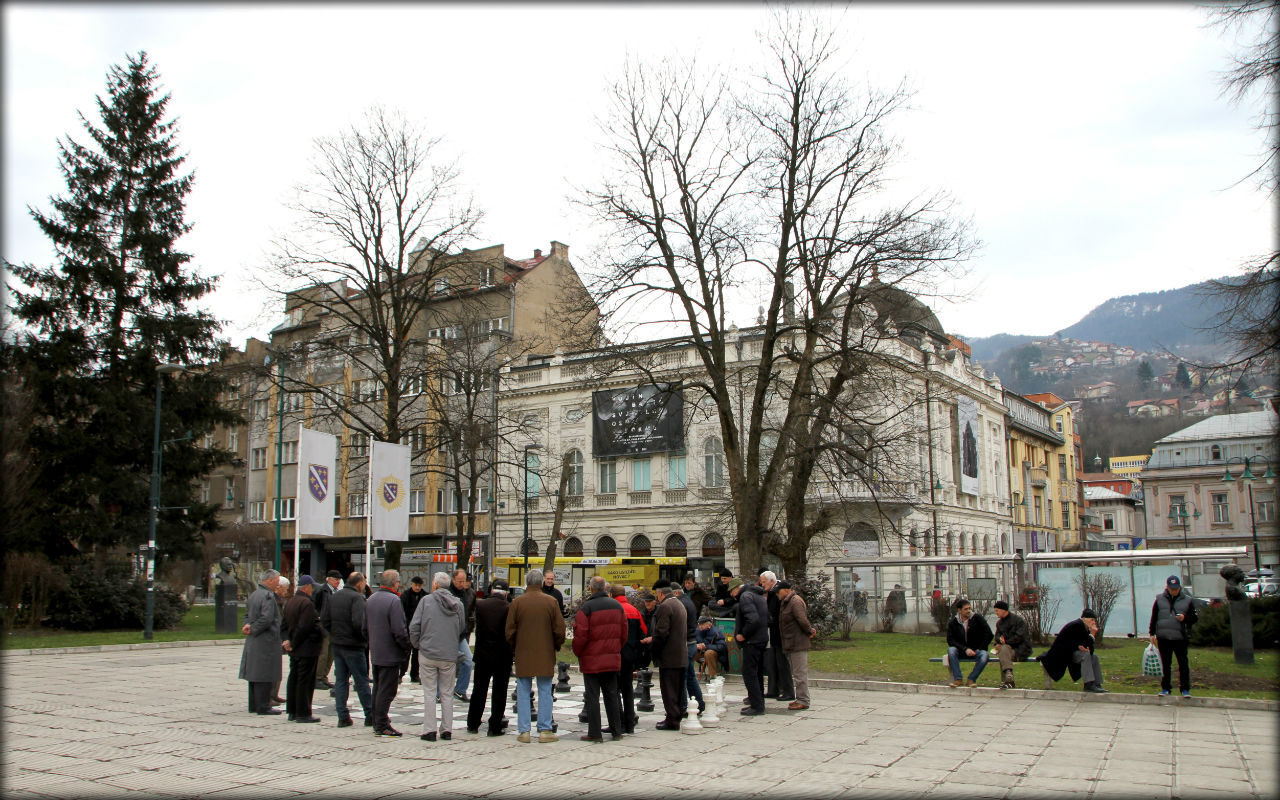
column 372, row 638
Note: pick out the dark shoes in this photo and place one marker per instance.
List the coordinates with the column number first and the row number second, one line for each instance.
column 461, row 697
column 667, row 726
column 473, row 731
column 368, row 722
column 428, row 737
column 1094, row 688
column 787, row 697
column 589, row 738
column 748, row 711
column 388, row 731
column 307, row 719
column 494, row 733
column 344, row 723
column 270, row 711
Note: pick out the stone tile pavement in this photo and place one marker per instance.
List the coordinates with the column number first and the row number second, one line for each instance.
column 170, row 723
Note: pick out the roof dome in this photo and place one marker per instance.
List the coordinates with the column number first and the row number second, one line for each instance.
column 901, row 307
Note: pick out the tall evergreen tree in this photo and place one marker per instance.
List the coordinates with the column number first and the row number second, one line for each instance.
column 92, row 327
column 1146, row 374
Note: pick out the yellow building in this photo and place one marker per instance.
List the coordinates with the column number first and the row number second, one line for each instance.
column 1041, row 475
column 1128, row 466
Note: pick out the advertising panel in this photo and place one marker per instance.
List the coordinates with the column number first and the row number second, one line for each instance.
column 967, row 411
column 645, row 419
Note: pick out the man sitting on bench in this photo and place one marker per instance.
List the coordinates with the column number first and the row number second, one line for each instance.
column 968, row 636
column 1013, row 642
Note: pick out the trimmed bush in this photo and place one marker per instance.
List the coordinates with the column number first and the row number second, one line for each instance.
column 1213, row 628
column 111, row 598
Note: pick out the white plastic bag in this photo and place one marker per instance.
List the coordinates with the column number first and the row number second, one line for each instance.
column 1151, row 664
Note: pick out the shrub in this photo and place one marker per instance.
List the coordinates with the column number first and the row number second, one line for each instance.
column 94, row 599
column 825, row 612
column 29, row 582
column 940, row 610
column 1213, row 628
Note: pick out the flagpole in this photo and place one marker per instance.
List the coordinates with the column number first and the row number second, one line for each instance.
column 368, row 522
column 297, row 517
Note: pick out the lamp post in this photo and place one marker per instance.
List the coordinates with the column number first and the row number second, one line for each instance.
column 148, row 631
column 1248, row 477
column 1178, row 513
column 279, row 506
column 524, row 547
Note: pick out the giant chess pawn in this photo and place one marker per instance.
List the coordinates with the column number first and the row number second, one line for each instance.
column 690, row 723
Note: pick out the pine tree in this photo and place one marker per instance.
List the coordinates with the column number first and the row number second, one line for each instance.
column 1182, row 377
column 93, row 326
column 1145, row 373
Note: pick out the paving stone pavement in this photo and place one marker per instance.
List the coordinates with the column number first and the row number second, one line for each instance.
column 171, row 723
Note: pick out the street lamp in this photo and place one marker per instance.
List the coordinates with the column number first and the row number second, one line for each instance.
column 148, row 631
column 1178, row 513
column 525, row 545
column 1248, row 477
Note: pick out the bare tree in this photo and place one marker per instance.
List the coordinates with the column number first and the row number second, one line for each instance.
column 1100, row 592
column 376, row 250
column 725, row 195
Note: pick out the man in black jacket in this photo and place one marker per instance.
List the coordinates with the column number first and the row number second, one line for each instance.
column 776, row 664
column 410, row 600
column 751, row 630
column 1013, row 642
column 324, row 590
column 492, row 659
column 691, row 686
column 343, row 618
column 968, row 636
column 632, row 653
column 302, row 643
column 460, row 588
column 1072, row 651
column 722, row 605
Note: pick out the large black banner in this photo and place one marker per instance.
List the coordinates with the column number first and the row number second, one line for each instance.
column 646, row 419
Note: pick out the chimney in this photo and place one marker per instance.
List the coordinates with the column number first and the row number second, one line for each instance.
column 559, row 250
column 537, row 253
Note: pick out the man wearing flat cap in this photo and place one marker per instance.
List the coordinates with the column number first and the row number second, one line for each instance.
column 1072, row 651
column 302, row 627
column 1013, row 641
column 324, row 591
column 797, row 631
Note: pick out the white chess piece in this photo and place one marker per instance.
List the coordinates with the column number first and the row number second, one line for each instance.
column 691, row 724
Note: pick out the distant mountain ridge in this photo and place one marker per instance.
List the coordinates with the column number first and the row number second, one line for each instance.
column 1180, row 320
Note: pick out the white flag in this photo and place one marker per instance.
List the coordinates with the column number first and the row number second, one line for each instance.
column 389, row 492
column 316, row 478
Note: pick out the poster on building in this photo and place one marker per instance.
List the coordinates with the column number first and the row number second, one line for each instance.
column 389, row 492
column 645, row 419
column 317, row 453
column 967, row 412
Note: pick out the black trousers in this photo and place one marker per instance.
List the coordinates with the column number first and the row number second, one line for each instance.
column 411, row 666
column 752, row 656
column 1177, row 647
column 498, row 671
column 778, row 667
column 386, row 681
column 259, row 697
column 300, row 685
column 592, row 684
column 627, row 693
column 671, row 679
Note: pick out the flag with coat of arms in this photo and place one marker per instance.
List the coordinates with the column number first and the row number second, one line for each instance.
column 317, row 453
column 389, row 492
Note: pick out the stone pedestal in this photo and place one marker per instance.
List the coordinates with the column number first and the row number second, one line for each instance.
column 1241, row 631
column 225, row 609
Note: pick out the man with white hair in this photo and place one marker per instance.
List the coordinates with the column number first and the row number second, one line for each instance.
column 437, row 624
column 260, row 659
column 388, row 647
column 776, row 665
column 535, row 631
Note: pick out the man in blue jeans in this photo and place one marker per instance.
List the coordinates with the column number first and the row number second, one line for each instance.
column 535, row 631
column 460, row 588
column 343, row 618
column 968, row 636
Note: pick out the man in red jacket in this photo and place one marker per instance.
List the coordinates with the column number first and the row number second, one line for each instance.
column 599, row 632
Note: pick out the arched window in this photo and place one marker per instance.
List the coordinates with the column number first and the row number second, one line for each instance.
column 640, row 546
column 574, row 486
column 712, row 462
column 712, row 546
column 986, row 544
column 573, row 547
column 529, row 547
column 861, row 541
column 1215, row 452
column 973, row 543
column 951, row 543
column 675, row 546
column 606, row 547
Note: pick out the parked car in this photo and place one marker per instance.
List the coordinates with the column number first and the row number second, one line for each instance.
column 1260, row 588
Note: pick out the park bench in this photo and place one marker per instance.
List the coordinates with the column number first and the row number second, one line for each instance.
column 1048, row 684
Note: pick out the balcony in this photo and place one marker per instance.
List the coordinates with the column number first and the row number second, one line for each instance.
column 672, row 496
column 712, row 493
column 1038, row 476
column 639, row 498
column 606, row 500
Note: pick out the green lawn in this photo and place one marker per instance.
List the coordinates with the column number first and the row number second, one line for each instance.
column 197, row 625
column 905, row 657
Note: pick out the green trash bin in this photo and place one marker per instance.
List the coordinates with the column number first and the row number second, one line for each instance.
column 725, row 626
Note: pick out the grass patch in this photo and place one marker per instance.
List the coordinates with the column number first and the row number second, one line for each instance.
column 904, row 657
column 197, row 625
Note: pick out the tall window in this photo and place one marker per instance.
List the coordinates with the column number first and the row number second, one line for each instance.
column 1177, row 504
column 574, row 485
column 1108, row 522
column 258, row 511
column 640, row 547
column 640, row 474
column 233, row 439
column 608, row 483
column 1221, row 507
column 713, row 462
column 1062, row 466
column 204, row 491
column 1066, row 516
column 531, row 482
column 677, row 474
column 289, row 453
column 289, row 505
column 1215, row 453
column 1264, row 507
column 606, row 547
column 357, row 504
column 359, row 444
column 418, row 501
column 260, row 409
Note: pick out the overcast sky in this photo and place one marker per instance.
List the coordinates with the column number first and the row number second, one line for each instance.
column 1090, row 144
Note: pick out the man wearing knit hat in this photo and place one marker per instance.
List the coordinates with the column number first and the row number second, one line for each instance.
column 1013, row 641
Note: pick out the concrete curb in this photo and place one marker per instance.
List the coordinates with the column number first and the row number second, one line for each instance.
column 114, row 648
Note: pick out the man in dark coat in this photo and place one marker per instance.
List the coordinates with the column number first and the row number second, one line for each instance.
column 1072, row 651
column 1013, row 642
column 388, row 647
column 667, row 642
column 535, row 633
column 492, row 659
column 776, row 664
column 410, row 600
column 697, row 593
column 968, row 636
column 751, row 631
column 260, row 659
column 324, row 590
column 460, row 587
column 631, row 655
column 722, row 604
column 691, row 686
column 1172, row 615
column 343, row 618
column 549, row 588
column 713, row 650
column 599, row 634
column 302, row 627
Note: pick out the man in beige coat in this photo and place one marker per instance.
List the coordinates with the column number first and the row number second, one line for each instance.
column 535, row 632
column 797, row 631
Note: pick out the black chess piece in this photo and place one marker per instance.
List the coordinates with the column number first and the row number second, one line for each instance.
column 562, row 677
column 645, row 702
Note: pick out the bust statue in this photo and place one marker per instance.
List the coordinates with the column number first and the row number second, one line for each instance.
column 1233, row 575
column 228, row 574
